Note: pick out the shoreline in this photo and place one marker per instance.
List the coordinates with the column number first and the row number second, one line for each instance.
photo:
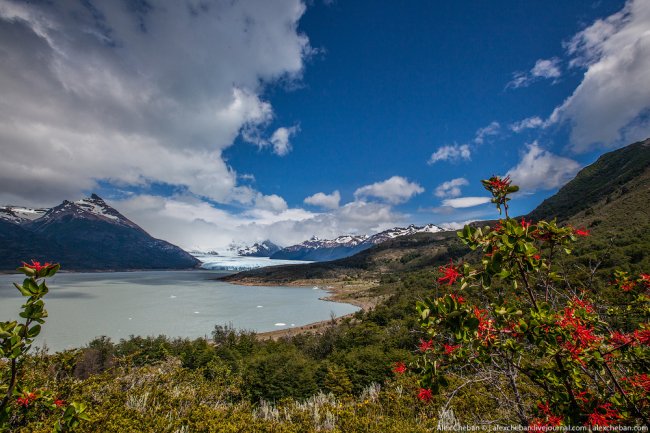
column 338, row 291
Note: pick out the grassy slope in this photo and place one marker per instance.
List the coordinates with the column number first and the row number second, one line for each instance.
column 612, row 199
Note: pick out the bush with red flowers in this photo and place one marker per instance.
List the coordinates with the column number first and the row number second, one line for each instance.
column 18, row 403
column 535, row 329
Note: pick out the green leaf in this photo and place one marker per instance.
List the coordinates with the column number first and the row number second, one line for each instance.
column 34, row 331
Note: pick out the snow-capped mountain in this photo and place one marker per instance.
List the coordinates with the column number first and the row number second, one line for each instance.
column 402, row 231
column 316, row 249
column 92, row 208
column 263, row 249
column 87, row 234
column 19, row 214
column 316, row 243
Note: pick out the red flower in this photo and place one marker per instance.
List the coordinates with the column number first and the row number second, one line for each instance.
column 37, row 265
column 27, row 398
column 485, row 325
column 582, row 396
column 498, row 184
column 59, row 403
column 644, row 279
column 549, row 420
column 626, row 286
column 459, row 299
column 640, row 380
column 425, row 345
column 603, row 416
column 525, row 224
column 619, row 339
column 643, row 336
column 537, row 257
column 451, row 274
column 581, row 232
column 450, row 348
column 583, row 304
column 399, row 367
column 425, row 395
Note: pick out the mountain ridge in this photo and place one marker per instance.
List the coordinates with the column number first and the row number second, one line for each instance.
column 87, row 234
column 319, row 250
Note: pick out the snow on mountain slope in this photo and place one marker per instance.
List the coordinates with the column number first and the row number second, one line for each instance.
column 316, row 249
column 18, row 214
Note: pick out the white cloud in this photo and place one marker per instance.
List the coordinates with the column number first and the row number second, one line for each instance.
column 280, row 139
column 611, row 106
column 394, row 190
column 452, row 152
column 540, row 169
column 193, row 224
column 543, row 69
column 134, row 95
column 273, row 203
column 527, row 123
column 451, row 188
column 492, row 129
column 463, row 202
column 327, row 201
column 546, row 68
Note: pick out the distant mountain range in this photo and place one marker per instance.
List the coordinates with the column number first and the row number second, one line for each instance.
column 83, row 235
column 263, row 249
column 319, row 250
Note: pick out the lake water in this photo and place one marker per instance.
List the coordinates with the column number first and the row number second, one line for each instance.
column 83, row 306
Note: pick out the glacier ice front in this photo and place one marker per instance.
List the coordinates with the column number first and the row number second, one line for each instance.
column 238, row 263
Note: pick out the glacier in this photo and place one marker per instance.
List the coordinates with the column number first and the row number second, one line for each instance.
column 219, row 262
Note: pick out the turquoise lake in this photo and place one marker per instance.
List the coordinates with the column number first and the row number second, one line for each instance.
column 83, row 306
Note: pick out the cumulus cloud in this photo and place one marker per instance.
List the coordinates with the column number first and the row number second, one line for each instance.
column 492, row 129
column 193, row 224
column 463, row 202
column 540, row 169
column 543, row 69
column 527, row 123
column 611, row 106
column 280, row 139
column 451, row 152
column 273, row 203
column 134, row 93
column 327, row 201
column 394, row 190
column 451, row 188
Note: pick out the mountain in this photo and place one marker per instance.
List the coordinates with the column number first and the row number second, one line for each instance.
column 319, row 250
column 264, row 249
column 84, row 235
column 610, row 198
column 18, row 214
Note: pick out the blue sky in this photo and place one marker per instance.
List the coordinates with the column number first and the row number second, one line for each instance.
column 217, row 122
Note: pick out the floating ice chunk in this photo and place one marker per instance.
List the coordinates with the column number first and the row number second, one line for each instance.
column 315, row 288
column 196, row 312
column 293, row 324
column 172, row 297
column 130, row 318
column 260, row 306
column 280, row 324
